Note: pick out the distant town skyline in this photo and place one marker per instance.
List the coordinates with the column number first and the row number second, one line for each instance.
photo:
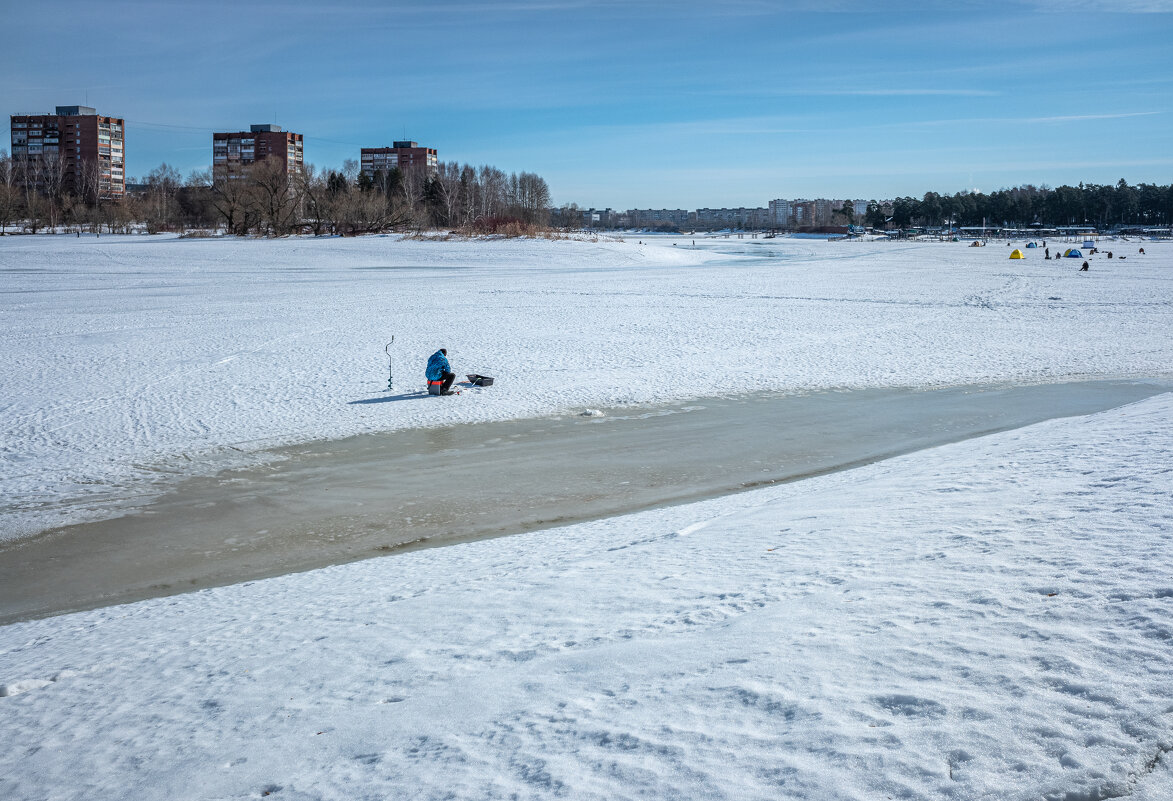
column 634, row 104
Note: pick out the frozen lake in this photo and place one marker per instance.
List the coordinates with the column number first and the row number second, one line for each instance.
column 987, row 618
column 329, row 502
column 132, row 362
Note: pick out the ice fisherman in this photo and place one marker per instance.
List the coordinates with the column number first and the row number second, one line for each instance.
column 439, row 373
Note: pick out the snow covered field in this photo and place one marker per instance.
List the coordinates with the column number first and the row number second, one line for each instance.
column 129, row 360
column 986, row 620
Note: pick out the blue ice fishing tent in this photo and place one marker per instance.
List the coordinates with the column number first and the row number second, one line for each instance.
column 1072, row 253
column 1032, row 244
column 1087, row 243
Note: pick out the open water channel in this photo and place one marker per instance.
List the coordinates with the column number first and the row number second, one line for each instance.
column 371, row 495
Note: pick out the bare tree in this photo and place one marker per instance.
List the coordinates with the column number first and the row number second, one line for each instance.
column 450, row 190
column 9, row 190
column 468, row 183
column 491, row 196
column 274, row 197
column 414, row 179
column 367, row 213
column 90, row 182
column 28, row 174
column 268, row 199
column 73, row 211
column 529, row 197
column 51, row 168
column 389, row 182
column 163, row 184
column 118, row 217
column 194, row 199
column 316, row 197
column 230, row 197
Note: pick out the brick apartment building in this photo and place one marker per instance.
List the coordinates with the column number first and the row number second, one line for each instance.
column 76, row 149
column 404, row 155
column 233, row 153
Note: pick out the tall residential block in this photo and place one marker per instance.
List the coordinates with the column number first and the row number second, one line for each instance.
column 404, row 155
column 781, row 213
column 75, row 150
column 234, row 153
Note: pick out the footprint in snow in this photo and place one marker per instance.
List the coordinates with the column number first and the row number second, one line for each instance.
column 909, row 706
column 22, row 686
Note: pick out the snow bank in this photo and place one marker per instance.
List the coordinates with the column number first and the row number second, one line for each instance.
column 129, row 360
column 986, row 620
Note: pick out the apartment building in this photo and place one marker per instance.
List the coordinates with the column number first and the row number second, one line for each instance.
column 234, row 153
column 820, row 213
column 605, row 218
column 74, row 150
column 823, row 209
column 858, row 208
column 653, row 218
column 781, row 213
column 740, row 217
column 404, row 155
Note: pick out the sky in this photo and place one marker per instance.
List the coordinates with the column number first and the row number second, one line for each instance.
column 633, row 103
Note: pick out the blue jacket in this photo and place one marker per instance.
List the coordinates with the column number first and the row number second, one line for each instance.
column 437, row 366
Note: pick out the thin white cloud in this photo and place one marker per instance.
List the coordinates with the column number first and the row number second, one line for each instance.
column 1105, row 6
column 771, row 92
column 773, row 125
column 1024, row 120
column 906, row 92
column 1082, row 117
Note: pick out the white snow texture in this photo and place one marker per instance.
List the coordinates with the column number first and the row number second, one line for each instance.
column 991, row 619
column 129, row 359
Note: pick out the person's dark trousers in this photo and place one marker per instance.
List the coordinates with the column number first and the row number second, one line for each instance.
column 447, row 385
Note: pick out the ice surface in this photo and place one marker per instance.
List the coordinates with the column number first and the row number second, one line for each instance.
column 984, row 620
column 129, row 360
column 324, row 503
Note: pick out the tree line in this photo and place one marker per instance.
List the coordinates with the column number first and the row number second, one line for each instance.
column 1104, row 206
column 266, row 199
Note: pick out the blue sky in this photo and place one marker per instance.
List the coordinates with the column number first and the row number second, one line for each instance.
column 634, row 104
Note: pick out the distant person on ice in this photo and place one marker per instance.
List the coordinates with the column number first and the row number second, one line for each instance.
column 439, row 373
